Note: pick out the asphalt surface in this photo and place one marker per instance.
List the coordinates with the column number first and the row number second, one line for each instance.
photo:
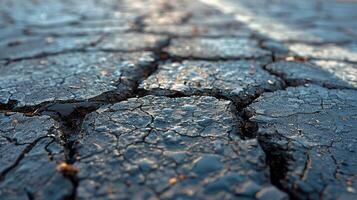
column 155, row 99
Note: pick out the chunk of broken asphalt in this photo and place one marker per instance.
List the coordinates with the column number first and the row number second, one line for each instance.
column 159, row 147
column 73, row 77
column 239, row 81
column 309, row 136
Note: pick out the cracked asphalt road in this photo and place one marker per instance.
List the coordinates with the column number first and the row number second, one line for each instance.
column 155, row 99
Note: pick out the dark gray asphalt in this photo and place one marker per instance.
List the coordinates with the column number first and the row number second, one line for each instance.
column 155, row 99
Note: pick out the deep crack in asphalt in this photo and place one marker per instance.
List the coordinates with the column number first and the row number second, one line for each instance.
column 172, row 100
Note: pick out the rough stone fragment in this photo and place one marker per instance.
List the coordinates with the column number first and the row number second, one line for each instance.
column 167, row 148
column 27, row 47
column 217, row 48
column 240, row 81
column 28, row 157
column 309, row 135
column 72, row 77
column 330, row 74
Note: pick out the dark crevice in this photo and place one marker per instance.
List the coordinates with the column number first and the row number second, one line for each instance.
column 248, row 128
column 193, row 36
column 279, row 76
column 30, row 196
column 75, row 182
column 178, row 94
column 175, row 58
column 277, row 161
column 262, row 46
column 276, row 158
column 274, row 59
column 10, row 105
column 70, row 117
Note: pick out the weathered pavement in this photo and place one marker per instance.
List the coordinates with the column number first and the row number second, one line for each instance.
column 154, row 99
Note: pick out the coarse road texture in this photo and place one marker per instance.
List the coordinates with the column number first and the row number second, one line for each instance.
column 179, row 99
